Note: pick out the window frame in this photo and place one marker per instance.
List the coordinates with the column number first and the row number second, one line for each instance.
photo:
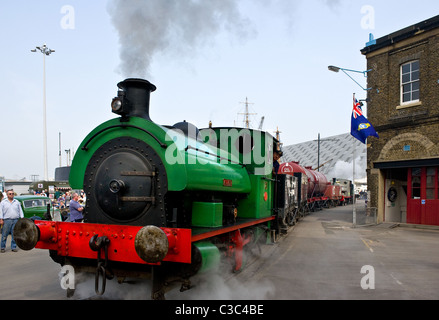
column 410, row 82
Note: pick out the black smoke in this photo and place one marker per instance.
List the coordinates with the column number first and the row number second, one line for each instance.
column 147, row 28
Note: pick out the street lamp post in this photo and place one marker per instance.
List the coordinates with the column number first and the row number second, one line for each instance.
column 46, row 52
column 345, row 71
column 319, row 141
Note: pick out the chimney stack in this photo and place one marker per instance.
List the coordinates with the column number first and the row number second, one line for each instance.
column 133, row 98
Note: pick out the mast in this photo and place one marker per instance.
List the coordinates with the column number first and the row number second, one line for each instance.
column 280, row 144
column 247, row 114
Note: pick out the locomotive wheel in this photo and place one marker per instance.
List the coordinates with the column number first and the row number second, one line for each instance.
column 290, row 219
column 125, row 182
column 253, row 249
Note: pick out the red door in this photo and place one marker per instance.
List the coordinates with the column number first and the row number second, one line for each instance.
column 422, row 196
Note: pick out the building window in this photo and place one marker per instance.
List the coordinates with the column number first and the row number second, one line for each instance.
column 410, row 82
column 431, row 183
column 416, row 183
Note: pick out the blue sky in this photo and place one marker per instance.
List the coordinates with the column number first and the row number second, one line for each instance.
column 274, row 52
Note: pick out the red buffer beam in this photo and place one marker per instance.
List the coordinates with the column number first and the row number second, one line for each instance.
column 126, row 243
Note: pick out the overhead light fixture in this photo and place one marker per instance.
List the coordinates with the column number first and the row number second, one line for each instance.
column 345, row 71
column 334, row 69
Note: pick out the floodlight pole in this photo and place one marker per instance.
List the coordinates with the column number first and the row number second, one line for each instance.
column 46, row 52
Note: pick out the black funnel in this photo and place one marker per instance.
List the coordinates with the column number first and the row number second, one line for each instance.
column 135, row 95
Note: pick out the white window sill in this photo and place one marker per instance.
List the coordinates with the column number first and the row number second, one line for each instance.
column 409, row 105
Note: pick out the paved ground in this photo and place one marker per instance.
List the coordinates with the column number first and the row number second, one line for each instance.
column 29, row 275
column 321, row 258
column 324, row 257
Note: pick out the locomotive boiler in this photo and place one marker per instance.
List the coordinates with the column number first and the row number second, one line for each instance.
column 163, row 202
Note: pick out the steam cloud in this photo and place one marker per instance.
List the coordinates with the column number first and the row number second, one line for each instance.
column 206, row 286
column 343, row 170
column 149, row 28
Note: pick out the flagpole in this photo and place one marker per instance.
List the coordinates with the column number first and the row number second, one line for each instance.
column 354, row 210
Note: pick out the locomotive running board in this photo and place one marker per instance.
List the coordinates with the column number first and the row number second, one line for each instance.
column 199, row 234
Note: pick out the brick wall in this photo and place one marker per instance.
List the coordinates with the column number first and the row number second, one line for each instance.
column 406, row 133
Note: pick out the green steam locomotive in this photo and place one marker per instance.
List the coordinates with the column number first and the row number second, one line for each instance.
column 163, row 202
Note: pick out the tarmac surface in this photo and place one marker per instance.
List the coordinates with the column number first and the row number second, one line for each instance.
column 323, row 257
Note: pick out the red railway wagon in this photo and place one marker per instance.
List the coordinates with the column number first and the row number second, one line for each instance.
column 333, row 193
column 315, row 190
column 313, row 185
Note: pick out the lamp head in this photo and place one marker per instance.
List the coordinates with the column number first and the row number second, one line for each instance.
column 333, row 68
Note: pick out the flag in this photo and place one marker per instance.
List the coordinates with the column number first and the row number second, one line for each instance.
column 360, row 126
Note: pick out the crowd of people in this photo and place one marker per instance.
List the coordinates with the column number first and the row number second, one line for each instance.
column 11, row 211
column 60, row 199
column 74, row 201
